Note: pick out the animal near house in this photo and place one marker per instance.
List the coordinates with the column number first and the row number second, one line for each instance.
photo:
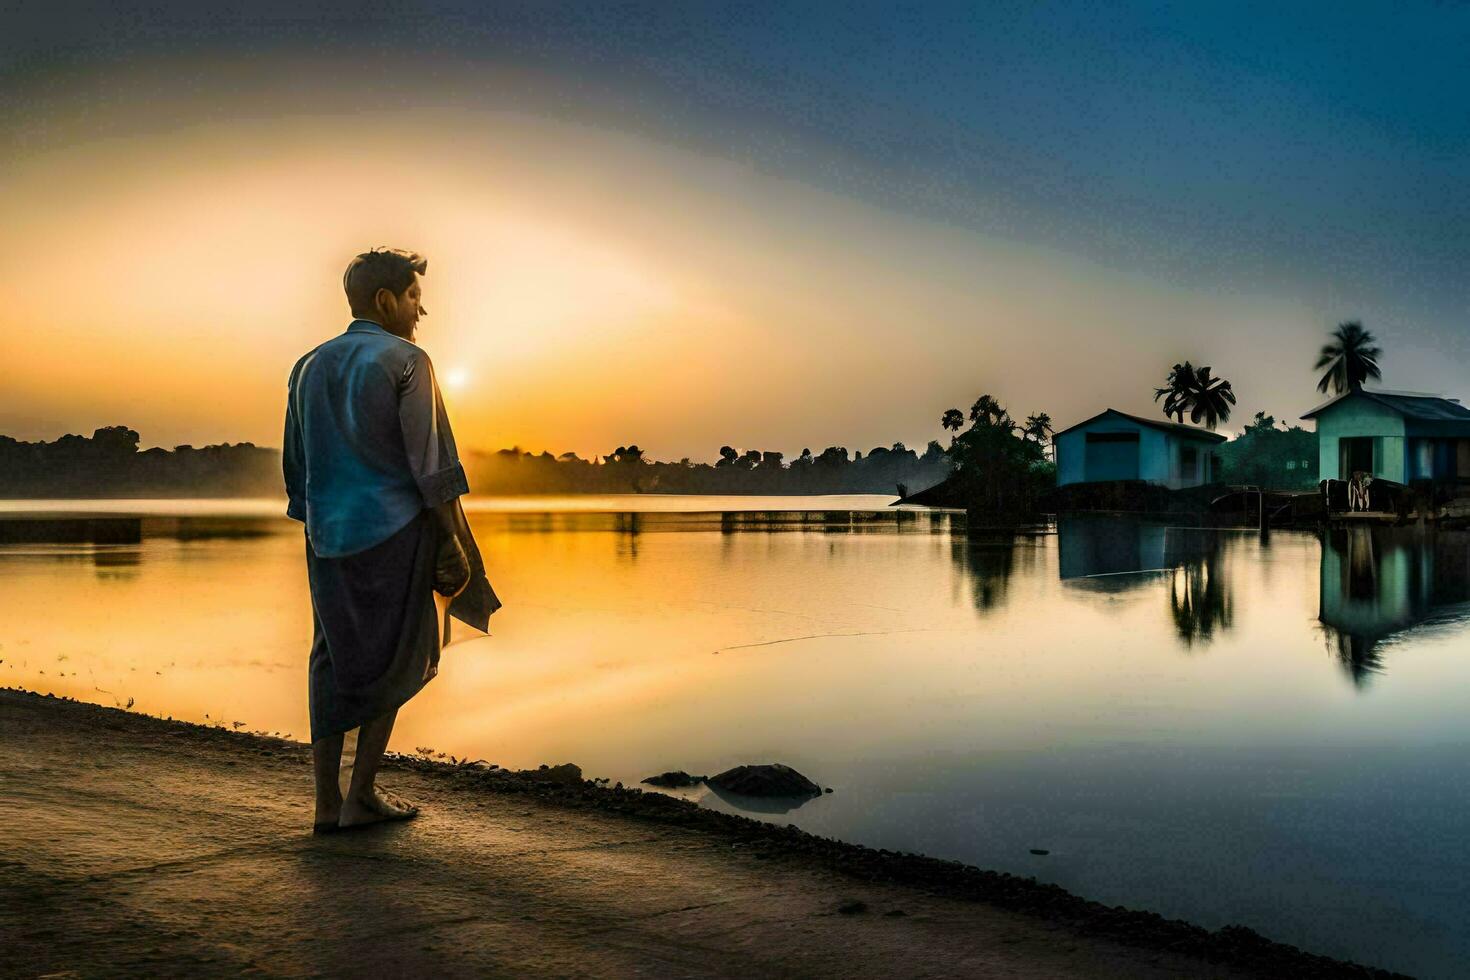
column 1398, row 436
column 1116, row 446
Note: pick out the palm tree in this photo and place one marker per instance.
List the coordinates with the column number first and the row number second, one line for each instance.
column 1211, row 399
column 987, row 408
column 1178, row 390
column 1350, row 358
column 1196, row 391
column 953, row 419
column 1038, row 426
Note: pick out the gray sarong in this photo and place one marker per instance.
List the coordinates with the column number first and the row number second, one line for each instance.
column 375, row 629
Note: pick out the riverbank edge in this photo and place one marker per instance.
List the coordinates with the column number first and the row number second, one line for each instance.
column 1231, row 946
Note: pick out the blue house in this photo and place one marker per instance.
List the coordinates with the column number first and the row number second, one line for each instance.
column 1118, row 446
column 1393, row 435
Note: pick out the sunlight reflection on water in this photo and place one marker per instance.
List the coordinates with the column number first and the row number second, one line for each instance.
column 1189, row 720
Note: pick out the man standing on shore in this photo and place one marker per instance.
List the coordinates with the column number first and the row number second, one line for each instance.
column 372, row 470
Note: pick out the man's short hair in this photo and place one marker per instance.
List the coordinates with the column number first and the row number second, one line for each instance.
column 382, row 268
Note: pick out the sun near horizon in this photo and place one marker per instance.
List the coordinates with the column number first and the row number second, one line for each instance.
column 599, row 277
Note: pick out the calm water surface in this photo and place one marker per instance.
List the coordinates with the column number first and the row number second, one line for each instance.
column 1191, row 721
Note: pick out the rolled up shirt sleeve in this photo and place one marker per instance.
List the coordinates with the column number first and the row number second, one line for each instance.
column 432, row 455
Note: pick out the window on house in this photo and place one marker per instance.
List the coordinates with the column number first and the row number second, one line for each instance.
column 1188, row 461
column 1291, row 464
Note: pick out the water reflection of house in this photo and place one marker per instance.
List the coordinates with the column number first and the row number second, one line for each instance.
column 1116, row 554
column 1096, row 545
column 1376, row 581
column 1398, row 436
column 1117, row 446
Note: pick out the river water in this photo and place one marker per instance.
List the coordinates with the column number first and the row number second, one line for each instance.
column 1198, row 722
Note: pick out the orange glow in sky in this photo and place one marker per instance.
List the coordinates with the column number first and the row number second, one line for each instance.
column 586, row 288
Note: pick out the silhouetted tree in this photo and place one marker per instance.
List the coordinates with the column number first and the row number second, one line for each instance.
column 1212, row 399
column 953, row 419
column 630, row 455
column 116, row 441
column 1197, row 391
column 1269, row 457
column 1351, row 358
column 1177, row 393
column 832, row 456
column 997, row 469
column 109, row 464
column 1038, row 427
column 988, row 409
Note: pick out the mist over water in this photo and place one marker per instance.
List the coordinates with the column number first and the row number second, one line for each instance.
column 1189, row 720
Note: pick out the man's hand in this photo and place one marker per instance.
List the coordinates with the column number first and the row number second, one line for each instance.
column 452, row 568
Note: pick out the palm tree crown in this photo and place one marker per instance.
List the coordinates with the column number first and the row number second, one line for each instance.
column 1038, row 426
column 986, row 408
column 1176, row 394
column 1196, row 391
column 1350, row 357
column 1212, row 399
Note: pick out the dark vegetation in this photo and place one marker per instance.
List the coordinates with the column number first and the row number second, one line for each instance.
column 626, row 469
column 1270, row 457
column 1350, row 357
column 1000, row 466
column 1195, row 390
column 109, row 464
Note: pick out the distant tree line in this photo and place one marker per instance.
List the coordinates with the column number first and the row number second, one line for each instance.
column 109, row 464
column 883, row 469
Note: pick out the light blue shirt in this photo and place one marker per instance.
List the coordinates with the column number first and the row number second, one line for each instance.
column 367, row 443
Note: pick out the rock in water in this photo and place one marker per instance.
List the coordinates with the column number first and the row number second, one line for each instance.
column 567, row 772
column 673, row 780
column 772, row 780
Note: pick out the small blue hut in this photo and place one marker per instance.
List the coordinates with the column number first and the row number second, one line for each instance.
column 1118, row 446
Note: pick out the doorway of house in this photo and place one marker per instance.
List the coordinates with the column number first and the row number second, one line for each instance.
column 1356, row 456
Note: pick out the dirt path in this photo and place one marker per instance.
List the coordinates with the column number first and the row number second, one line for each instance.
column 133, row 845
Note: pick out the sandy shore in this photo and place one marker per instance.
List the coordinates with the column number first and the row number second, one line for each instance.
column 136, row 845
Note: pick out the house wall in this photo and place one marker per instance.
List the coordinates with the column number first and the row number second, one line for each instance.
column 1204, row 467
column 1153, row 455
column 1356, row 417
column 1070, row 449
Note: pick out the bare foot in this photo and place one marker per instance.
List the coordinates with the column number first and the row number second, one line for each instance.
column 328, row 813
column 377, row 808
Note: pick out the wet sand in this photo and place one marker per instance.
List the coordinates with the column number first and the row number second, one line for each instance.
column 138, row 845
